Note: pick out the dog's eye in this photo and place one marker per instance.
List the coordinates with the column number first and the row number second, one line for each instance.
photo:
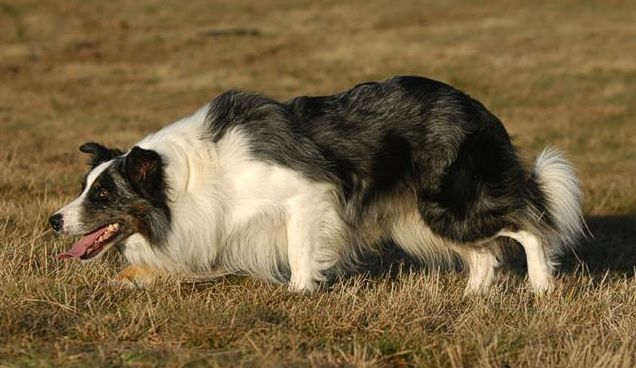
column 103, row 193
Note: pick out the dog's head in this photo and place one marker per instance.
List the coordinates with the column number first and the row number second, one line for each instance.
column 122, row 194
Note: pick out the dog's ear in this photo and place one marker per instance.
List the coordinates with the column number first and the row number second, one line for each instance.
column 99, row 153
column 144, row 170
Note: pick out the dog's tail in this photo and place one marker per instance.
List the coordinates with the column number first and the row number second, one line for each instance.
column 556, row 203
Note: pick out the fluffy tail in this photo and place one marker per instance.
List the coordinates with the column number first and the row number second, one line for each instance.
column 561, row 192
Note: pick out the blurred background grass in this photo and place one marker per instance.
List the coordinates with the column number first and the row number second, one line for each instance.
column 559, row 73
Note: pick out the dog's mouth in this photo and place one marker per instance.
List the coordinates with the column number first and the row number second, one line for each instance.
column 93, row 243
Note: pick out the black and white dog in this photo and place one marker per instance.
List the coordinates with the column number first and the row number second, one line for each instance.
column 292, row 191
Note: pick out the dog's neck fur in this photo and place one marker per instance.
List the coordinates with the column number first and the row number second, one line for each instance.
column 213, row 186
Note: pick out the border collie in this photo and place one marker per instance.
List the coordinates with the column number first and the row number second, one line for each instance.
column 291, row 191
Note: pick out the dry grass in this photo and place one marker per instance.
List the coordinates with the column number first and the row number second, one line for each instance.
column 560, row 73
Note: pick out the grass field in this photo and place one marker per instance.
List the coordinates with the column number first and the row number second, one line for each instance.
column 557, row 73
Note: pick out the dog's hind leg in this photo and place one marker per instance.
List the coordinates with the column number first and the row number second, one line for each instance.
column 538, row 268
column 482, row 265
column 418, row 240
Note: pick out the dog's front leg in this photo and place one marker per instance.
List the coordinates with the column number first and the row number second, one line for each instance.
column 136, row 276
column 301, row 245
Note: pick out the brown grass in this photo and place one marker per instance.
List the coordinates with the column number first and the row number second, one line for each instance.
column 558, row 73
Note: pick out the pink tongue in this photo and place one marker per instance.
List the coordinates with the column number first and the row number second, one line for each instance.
column 81, row 247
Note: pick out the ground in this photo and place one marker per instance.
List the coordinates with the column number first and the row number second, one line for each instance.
column 559, row 73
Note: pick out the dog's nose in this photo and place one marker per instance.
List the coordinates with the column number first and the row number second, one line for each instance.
column 56, row 221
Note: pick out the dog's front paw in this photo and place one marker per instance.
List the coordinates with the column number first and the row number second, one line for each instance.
column 299, row 285
column 135, row 277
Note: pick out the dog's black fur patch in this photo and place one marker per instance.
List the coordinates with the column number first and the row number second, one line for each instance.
column 99, row 153
column 378, row 139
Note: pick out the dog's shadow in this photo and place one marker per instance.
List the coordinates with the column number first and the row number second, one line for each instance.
column 610, row 246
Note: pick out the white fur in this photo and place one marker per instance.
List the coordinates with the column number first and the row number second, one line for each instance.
column 417, row 239
column 72, row 212
column 539, row 271
column 482, row 265
column 558, row 179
